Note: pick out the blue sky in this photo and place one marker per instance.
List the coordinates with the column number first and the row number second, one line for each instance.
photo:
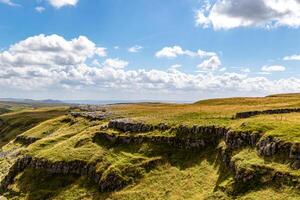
column 149, row 49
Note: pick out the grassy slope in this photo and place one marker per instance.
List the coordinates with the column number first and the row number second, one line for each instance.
column 15, row 123
column 183, row 175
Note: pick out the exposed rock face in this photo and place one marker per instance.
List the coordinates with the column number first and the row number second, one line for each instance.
column 266, row 112
column 245, row 177
column 110, row 182
column 270, row 146
column 161, row 140
column 126, row 125
column 25, row 140
column 91, row 115
column 188, row 137
column 200, row 131
column 237, row 140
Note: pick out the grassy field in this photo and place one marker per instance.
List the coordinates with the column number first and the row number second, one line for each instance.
column 180, row 174
column 15, row 123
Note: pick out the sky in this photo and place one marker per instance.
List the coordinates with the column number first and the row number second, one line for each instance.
column 168, row 50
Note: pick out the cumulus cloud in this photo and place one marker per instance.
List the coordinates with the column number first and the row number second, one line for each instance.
column 135, row 49
column 212, row 63
column 175, row 51
column 293, row 57
column 52, row 62
column 228, row 14
column 50, row 50
column 115, row 63
column 62, row 3
column 273, row 68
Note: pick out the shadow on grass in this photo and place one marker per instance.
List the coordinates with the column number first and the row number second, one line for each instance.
column 39, row 184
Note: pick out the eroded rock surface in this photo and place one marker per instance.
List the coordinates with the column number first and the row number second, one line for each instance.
column 109, row 182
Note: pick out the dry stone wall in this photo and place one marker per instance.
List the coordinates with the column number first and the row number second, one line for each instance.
column 248, row 114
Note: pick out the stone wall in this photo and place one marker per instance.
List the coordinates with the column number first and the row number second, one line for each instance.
column 248, row 114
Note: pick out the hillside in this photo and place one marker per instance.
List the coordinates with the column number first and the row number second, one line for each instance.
column 234, row 148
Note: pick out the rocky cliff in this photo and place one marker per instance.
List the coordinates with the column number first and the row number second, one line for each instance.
column 110, row 182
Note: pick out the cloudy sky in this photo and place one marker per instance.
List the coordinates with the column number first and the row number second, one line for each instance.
column 175, row 50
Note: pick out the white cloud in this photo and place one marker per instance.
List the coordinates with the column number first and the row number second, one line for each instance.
column 273, row 68
column 228, row 14
column 135, row 49
column 175, row 51
column 212, row 63
column 52, row 50
column 54, row 63
column 8, row 2
column 245, row 70
column 293, row 57
column 61, row 3
column 115, row 63
column 176, row 66
column 40, row 9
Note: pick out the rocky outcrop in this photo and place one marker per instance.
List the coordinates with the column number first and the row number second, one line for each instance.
column 245, row 178
column 271, row 146
column 240, row 139
column 200, row 131
column 248, row 114
column 26, row 140
column 127, row 125
column 160, row 140
column 110, row 182
column 194, row 136
column 91, row 115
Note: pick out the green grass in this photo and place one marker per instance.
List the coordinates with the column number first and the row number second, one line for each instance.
column 284, row 126
column 180, row 174
column 248, row 159
column 18, row 122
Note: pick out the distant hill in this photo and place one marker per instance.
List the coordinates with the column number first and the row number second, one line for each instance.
column 31, row 101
